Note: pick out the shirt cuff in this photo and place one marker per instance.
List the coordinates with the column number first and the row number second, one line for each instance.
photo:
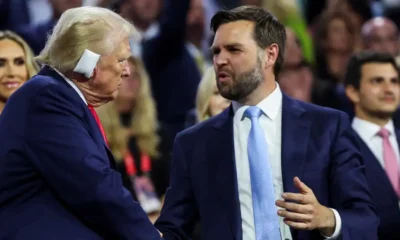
column 338, row 226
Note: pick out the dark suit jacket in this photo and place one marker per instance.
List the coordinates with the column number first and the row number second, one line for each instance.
column 317, row 145
column 383, row 195
column 57, row 177
column 14, row 14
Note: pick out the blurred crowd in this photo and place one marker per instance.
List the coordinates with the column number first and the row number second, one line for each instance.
column 172, row 82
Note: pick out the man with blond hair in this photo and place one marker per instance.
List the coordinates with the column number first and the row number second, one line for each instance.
column 57, row 175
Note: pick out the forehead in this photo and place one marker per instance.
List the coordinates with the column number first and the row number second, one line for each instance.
column 10, row 49
column 239, row 32
column 123, row 50
column 386, row 70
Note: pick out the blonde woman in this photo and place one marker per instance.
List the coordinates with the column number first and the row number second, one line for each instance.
column 133, row 134
column 16, row 64
column 209, row 101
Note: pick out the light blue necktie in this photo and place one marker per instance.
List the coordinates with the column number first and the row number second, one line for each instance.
column 265, row 212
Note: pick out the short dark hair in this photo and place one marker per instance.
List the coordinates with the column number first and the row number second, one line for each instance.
column 353, row 72
column 267, row 29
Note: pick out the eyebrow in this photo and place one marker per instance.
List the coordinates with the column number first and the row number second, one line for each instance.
column 230, row 45
column 5, row 59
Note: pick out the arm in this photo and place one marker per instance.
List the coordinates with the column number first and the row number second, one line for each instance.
column 180, row 210
column 172, row 30
column 349, row 190
column 352, row 215
column 78, row 172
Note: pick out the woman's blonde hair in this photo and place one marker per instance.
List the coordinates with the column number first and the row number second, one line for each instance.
column 143, row 124
column 204, row 93
column 93, row 28
column 31, row 66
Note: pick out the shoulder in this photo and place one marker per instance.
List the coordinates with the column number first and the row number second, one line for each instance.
column 47, row 94
column 323, row 114
column 202, row 130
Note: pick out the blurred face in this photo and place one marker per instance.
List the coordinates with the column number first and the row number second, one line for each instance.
column 297, row 83
column 338, row 38
column 130, row 85
column 111, row 70
column 237, row 67
column 60, row 6
column 13, row 71
column 379, row 92
column 344, row 6
column 383, row 37
column 146, row 10
column 195, row 19
column 293, row 53
column 251, row 2
column 217, row 103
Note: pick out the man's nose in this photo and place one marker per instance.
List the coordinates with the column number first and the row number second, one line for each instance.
column 126, row 72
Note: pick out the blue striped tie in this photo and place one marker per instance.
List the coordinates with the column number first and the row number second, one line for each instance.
column 264, row 209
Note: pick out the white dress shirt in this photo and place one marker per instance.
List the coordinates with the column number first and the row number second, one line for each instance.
column 271, row 122
column 368, row 132
column 72, row 85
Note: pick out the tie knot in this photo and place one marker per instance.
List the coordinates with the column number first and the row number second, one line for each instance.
column 384, row 133
column 253, row 112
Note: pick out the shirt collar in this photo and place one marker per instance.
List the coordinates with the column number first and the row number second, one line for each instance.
column 72, row 84
column 270, row 105
column 367, row 130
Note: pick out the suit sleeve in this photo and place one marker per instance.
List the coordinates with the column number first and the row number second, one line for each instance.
column 171, row 37
column 65, row 155
column 349, row 191
column 180, row 211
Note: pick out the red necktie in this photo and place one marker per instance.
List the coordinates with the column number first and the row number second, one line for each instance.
column 96, row 117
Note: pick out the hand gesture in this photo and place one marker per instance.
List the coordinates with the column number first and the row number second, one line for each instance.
column 303, row 211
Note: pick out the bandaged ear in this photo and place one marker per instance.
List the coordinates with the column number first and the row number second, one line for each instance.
column 87, row 63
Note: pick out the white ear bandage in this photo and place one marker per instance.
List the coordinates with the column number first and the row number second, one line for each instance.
column 87, row 63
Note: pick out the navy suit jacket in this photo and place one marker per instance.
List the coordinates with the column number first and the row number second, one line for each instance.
column 57, row 177
column 317, row 146
column 383, row 195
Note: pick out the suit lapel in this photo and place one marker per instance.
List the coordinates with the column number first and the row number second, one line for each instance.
column 223, row 158
column 94, row 130
column 97, row 136
column 295, row 134
column 376, row 171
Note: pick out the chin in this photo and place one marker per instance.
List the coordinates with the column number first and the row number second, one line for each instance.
column 114, row 95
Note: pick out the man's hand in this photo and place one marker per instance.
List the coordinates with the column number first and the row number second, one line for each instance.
column 303, row 211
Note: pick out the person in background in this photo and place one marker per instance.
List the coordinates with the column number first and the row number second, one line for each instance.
column 174, row 62
column 58, row 178
column 334, row 40
column 296, row 78
column 135, row 137
column 373, row 85
column 358, row 11
column 36, row 35
column 381, row 34
column 269, row 166
column 209, row 101
column 16, row 64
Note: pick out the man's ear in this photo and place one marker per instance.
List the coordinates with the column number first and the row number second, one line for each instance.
column 353, row 94
column 94, row 73
column 271, row 54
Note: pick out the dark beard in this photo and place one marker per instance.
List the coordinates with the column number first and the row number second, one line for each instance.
column 243, row 85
